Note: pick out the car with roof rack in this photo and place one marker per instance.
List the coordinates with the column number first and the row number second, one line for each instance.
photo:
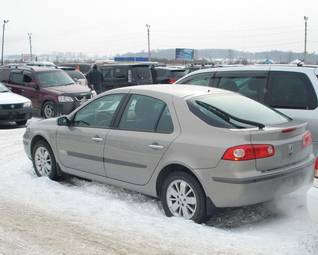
column 290, row 89
column 51, row 90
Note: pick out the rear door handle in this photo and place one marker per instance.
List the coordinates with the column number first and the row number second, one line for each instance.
column 97, row 139
column 156, row 146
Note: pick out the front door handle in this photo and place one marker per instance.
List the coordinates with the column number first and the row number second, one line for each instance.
column 97, row 139
column 156, row 146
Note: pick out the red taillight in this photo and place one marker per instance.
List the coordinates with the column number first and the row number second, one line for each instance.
column 307, row 139
column 249, row 152
column 316, row 168
column 170, row 81
column 288, row 130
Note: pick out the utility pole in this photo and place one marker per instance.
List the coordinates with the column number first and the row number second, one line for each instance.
column 148, row 34
column 305, row 46
column 30, row 41
column 3, row 28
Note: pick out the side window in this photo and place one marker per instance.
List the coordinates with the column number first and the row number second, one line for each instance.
column 141, row 113
column 165, row 124
column 107, row 73
column 27, row 77
column 16, row 78
column 290, row 90
column 199, row 79
column 99, row 113
column 250, row 86
column 4, row 74
column 121, row 73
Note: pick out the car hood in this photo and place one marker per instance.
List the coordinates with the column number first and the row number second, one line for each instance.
column 12, row 98
column 68, row 89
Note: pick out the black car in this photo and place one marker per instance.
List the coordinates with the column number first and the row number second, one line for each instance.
column 122, row 75
column 165, row 75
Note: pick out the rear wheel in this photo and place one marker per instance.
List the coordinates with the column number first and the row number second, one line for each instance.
column 44, row 161
column 21, row 122
column 183, row 196
column 49, row 110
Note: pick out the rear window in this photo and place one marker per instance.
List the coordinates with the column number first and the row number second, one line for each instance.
column 4, row 74
column 141, row 73
column 219, row 111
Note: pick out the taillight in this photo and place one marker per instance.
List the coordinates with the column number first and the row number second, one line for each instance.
column 249, row 152
column 170, row 81
column 316, row 168
column 307, row 139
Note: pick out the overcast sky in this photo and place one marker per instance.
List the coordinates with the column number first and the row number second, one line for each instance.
column 117, row 26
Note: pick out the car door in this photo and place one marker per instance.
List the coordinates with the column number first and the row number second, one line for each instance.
column 30, row 90
column 81, row 145
column 16, row 81
column 143, row 135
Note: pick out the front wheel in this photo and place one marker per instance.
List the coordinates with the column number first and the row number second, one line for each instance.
column 183, row 196
column 44, row 161
column 49, row 110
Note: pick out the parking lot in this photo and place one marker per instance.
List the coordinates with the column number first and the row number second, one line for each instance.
column 80, row 217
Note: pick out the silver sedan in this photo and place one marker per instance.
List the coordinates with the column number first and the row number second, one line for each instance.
column 195, row 148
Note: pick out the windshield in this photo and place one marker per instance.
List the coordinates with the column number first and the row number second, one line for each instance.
column 75, row 75
column 54, row 78
column 3, row 88
column 233, row 110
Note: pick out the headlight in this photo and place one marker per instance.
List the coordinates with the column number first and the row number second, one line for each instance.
column 65, row 99
column 27, row 105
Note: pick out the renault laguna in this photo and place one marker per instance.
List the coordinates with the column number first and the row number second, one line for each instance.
column 195, row 148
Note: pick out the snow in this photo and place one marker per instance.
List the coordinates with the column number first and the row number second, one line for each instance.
column 136, row 221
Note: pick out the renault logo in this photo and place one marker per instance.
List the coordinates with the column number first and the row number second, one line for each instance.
column 290, row 149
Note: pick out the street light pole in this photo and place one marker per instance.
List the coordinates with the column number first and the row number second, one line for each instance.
column 30, row 41
column 305, row 46
column 3, row 28
column 148, row 34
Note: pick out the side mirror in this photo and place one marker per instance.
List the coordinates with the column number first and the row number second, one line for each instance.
column 63, row 121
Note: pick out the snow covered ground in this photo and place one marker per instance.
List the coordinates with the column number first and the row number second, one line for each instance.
column 39, row 216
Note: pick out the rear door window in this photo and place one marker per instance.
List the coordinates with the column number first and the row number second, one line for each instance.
column 202, row 79
column 290, row 90
column 16, row 78
column 141, row 73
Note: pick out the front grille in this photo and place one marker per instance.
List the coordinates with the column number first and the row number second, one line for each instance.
column 11, row 106
column 83, row 97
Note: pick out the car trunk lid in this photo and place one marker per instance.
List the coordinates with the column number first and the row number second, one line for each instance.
column 288, row 142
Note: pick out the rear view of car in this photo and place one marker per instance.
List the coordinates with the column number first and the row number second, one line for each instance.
column 168, row 75
column 77, row 76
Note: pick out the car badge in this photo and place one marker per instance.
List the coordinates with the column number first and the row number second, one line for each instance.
column 12, row 106
column 290, row 149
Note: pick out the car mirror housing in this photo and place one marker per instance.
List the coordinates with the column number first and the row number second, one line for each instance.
column 63, row 121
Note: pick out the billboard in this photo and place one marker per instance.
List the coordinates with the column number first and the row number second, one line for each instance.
column 184, row 54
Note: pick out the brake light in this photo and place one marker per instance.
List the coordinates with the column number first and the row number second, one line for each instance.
column 249, row 152
column 316, row 168
column 307, row 139
column 170, row 81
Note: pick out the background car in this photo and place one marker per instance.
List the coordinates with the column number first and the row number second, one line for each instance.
column 13, row 107
column 290, row 89
column 165, row 75
column 77, row 76
column 194, row 148
column 312, row 197
column 51, row 90
column 118, row 75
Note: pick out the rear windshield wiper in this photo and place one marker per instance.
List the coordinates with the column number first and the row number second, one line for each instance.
column 226, row 116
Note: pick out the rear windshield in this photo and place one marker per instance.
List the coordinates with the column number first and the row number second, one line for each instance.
column 219, row 110
column 54, row 78
column 141, row 73
column 75, row 75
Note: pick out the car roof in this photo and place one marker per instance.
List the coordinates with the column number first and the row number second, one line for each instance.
column 175, row 90
column 123, row 64
column 275, row 67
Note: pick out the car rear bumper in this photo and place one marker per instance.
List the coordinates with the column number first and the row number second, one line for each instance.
column 16, row 114
column 312, row 202
column 235, row 192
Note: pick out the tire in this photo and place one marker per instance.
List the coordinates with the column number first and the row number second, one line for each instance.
column 21, row 122
column 182, row 195
column 44, row 162
column 49, row 110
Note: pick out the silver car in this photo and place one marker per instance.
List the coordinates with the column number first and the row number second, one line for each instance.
column 195, row 148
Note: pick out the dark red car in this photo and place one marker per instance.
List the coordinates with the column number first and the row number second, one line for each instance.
column 51, row 90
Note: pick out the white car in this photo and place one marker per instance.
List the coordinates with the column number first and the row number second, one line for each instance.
column 312, row 197
column 13, row 107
